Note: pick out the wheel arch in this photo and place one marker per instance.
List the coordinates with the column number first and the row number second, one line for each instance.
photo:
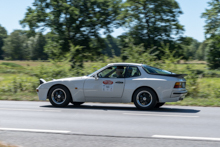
column 144, row 87
column 59, row 85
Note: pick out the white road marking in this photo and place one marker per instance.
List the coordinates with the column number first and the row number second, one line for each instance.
column 38, row 110
column 34, row 130
column 186, row 137
column 151, row 114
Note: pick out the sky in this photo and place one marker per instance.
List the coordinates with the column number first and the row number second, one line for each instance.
column 12, row 11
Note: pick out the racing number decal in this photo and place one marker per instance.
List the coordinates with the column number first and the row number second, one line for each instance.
column 107, row 82
column 107, row 85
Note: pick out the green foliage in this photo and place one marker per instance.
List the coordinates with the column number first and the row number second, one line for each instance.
column 202, row 51
column 212, row 17
column 151, row 22
column 74, row 22
column 190, row 47
column 211, row 74
column 20, row 84
column 35, row 46
column 12, row 68
column 168, row 56
column 15, row 47
column 212, row 27
column 213, row 56
column 3, row 35
column 55, row 71
column 137, row 53
column 10, row 64
column 192, row 83
column 112, row 47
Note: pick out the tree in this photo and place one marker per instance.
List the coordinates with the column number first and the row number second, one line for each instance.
column 152, row 22
column 75, row 22
column 212, row 16
column 15, row 47
column 213, row 56
column 212, row 27
column 36, row 47
column 201, row 53
column 189, row 47
column 112, row 46
column 138, row 54
column 3, row 35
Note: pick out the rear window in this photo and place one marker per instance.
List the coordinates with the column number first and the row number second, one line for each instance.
column 154, row 70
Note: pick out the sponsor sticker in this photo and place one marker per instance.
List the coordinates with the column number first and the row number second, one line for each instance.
column 107, row 85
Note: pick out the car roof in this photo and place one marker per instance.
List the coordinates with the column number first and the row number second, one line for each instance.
column 125, row 64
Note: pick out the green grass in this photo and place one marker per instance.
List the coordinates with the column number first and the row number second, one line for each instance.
column 205, row 102
column 19, row 96
column 27, row 63
column 20, row 82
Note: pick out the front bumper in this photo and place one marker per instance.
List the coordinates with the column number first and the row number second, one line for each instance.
column 42, row 94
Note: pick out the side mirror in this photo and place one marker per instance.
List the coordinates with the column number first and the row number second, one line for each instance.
column 96, row 77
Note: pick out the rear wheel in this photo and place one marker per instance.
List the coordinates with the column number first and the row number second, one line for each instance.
column 77, row 103
column 59, row 96
column 158, row 105
column 145, row 98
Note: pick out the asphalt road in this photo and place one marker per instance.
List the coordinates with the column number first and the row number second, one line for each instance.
column 36, row 124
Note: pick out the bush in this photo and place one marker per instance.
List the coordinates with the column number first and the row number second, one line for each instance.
column 211, row 74
column 20, row 84
column 10, row 64
column 213, row 57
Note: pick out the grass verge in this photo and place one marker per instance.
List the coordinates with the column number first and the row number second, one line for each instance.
column 205, row 102
column 19, row 96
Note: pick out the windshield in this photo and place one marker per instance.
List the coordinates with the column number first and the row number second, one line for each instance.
column 154, row 70
column 96, row 71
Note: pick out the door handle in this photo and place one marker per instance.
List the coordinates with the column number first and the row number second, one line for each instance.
column 119, row 82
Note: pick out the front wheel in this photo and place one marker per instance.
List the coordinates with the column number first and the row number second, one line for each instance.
column 59, row 96
column 145, row 98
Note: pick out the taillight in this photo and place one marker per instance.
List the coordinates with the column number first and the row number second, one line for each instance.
column 180, row 85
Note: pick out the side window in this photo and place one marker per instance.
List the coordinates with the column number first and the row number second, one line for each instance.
column 113, row 72
column 132, row 71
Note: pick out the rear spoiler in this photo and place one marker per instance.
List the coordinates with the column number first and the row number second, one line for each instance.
column 42, row 81
column 171, row 75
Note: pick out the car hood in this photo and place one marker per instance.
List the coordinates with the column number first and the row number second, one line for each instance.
column 70, row 79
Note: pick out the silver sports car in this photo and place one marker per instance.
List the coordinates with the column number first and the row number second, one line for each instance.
column 148, row 87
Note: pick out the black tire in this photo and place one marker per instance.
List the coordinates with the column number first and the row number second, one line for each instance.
column 77, row 103
column 145, row 98
column 59, row 96
column 158, row 105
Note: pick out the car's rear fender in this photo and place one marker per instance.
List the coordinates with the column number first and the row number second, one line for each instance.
column 132, row 100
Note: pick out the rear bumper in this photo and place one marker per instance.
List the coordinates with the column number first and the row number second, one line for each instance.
column 179, row 94
column 176, row 95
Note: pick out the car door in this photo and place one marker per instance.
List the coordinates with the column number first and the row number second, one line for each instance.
column 109, row 84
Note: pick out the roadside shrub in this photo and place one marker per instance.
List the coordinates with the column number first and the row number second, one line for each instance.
column 192, row 84
column 216, row 92
column 20, row 84
column 49, row 73
column 10, row 64
column 211, row 74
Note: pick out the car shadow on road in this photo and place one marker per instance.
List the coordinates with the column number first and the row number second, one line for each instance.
column 125, row 108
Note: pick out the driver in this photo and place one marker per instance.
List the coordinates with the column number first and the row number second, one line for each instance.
column 119, row 71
